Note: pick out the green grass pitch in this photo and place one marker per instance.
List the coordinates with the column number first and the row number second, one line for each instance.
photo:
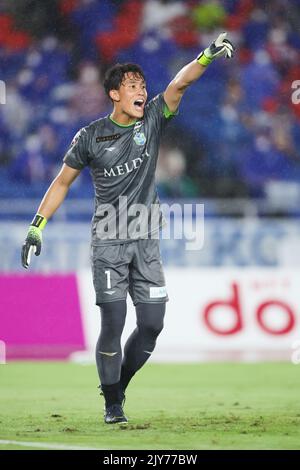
column 193, row 406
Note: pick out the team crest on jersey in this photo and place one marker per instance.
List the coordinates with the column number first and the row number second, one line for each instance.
column 138, row 125
column 139, row 138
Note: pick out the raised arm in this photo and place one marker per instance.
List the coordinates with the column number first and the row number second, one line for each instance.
column 192, row 71
column 50, row 203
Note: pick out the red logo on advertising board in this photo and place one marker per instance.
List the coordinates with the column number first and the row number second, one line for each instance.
column 234, row 305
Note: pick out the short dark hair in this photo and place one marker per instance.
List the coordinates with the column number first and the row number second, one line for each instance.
column 115, row 75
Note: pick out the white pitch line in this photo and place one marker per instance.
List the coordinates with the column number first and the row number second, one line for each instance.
column 44, row 445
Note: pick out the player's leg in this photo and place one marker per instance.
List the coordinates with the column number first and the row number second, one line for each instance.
column 109, row 358
column 110, row 277
column 142, row 341
column 148, row 291
column 108, row 349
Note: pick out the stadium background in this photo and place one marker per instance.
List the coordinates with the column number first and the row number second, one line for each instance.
column 234, row 147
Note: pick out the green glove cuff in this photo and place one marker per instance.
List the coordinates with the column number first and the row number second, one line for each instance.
column 39, row 221
column 202, row 59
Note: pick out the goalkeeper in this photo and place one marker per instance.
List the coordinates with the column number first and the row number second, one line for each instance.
column 121, row 151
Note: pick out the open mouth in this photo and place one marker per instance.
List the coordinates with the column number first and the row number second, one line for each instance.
column 139, row 104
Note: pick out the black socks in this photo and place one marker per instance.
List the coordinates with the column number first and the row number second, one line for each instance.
column 111, row 394
column 114, row 373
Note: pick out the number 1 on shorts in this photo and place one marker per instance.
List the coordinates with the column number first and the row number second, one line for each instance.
column 108, row 279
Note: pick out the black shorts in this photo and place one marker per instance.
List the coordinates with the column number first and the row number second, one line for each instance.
column 135, row 266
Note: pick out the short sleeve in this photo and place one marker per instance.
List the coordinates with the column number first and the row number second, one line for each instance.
column 77, row 156
column 158, row 112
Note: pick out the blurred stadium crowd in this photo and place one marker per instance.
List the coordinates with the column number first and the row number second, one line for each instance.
column 237, row 133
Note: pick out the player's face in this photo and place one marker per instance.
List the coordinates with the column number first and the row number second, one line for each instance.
column 133, row 95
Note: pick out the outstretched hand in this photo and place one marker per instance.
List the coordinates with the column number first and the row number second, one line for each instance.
column 221, row 47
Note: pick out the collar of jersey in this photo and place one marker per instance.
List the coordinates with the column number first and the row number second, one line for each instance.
column 121, row 125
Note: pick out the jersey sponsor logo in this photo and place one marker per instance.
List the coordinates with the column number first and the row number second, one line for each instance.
column 110, row 292
column 125, row 168
column 109, row 149
column 139, row 138
column 107, row 138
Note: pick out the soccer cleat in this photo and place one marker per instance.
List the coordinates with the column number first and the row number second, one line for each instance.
column 114, row 414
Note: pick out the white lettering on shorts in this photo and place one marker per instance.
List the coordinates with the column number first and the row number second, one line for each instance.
column 158, row 292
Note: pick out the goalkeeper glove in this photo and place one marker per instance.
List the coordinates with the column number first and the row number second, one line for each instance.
column 33, row 241
column 220, row 47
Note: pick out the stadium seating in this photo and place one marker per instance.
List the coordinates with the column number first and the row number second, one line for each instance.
column 231, row 116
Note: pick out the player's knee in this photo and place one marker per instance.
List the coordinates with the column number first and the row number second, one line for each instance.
column 109, row 344
column 150, row 319
column 109, row 341
column 151, row 330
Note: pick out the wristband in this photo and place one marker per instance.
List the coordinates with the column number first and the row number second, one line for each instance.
column 39, row 221
column 202, row 59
